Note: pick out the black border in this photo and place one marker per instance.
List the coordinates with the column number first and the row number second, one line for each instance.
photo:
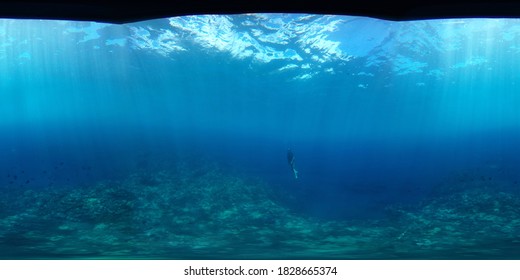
column 131, row 11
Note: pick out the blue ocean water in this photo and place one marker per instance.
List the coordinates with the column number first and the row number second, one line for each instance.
column 168, row 138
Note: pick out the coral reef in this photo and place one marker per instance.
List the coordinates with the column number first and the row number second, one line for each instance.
column 474, row 220
column 207, row 213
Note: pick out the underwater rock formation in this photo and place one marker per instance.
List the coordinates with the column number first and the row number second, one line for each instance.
column 210, row 214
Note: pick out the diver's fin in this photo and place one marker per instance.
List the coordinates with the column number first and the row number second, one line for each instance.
column 295, row 174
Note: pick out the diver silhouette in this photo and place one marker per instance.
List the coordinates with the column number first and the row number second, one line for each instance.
column 290, row 159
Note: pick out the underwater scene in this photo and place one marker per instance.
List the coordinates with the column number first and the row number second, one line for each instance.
column 260, row 136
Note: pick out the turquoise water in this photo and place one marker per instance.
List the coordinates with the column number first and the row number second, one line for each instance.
column 168, row 139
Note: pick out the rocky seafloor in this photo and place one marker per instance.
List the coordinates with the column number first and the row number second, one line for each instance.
column 209, row 214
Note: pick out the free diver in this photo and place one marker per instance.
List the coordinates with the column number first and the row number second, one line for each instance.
column 290, row 159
